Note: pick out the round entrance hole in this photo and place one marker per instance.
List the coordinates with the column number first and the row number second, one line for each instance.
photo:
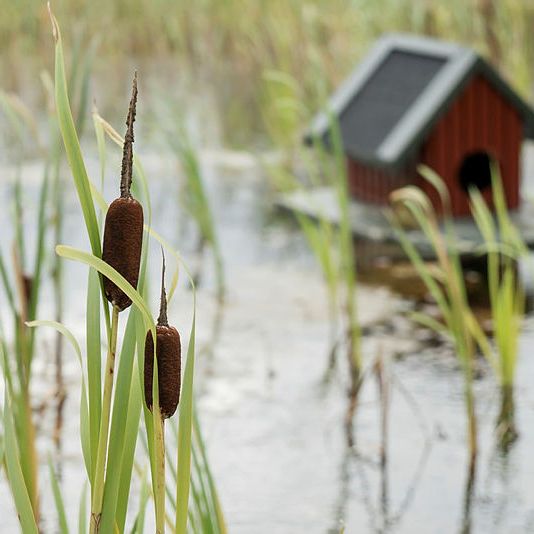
column 475, row 171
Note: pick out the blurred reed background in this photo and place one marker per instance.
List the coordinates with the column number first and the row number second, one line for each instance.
column 230, row 45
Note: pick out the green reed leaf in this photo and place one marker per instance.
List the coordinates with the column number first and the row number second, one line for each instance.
column 103, row 268
column 14, row 473
column 58, row 500
column 184, row 435
column 72, row 144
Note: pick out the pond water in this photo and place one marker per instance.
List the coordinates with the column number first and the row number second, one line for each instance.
column 274, row 431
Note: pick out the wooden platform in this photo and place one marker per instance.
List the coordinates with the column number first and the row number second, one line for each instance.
column 370, row 224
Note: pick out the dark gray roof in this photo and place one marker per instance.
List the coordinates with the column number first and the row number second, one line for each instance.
column 396, row 95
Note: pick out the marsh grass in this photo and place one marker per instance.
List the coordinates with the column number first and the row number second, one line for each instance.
column 127, row 402
column 194, row 199
column 231, row 43
column 503, row 248
column 322, row 238
column 21, row 286
column 331, row 241
column 111, row 492
column 446, row 285
column 79, row 77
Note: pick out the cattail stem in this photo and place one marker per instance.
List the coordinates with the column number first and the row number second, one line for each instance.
column 159, row 439
column 98, row 483
column 159, row 426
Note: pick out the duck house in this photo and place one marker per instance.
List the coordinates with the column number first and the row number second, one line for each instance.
column 415, row 100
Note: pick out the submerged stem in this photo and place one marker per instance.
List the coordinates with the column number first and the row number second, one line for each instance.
column 506, row 429
column 99, row 472
column 127, row 151
column 471, row 425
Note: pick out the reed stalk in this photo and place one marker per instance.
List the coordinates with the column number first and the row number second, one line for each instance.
column 159, row 498
column 348, row 274
column 445, row 284
column 98, row 486
column 108, row 424
column 503, row 247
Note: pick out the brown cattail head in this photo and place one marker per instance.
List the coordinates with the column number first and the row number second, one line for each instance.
column 123, row 229
column 168, row 354
column 123, row 238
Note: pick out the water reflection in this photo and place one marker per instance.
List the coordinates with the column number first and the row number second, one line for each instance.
column 468, row 499
column 370, row 477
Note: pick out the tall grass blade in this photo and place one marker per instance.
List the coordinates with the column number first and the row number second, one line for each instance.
column 103, row 268
column 72, row 144
column 7, row 286
column 119, row 426
column 85, row 432
column 39, row 256
column 58, row 500
column 94, row 365
column 139, row 525
column 14, row 473
column 82, row 512
column 184, row 435
column 214, row 502
column 197, row 203
column 130, row 440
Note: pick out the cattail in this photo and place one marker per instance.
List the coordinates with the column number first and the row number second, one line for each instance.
column 123, row 230
column 169, row 358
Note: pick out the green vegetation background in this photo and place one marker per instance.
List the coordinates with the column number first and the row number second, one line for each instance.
column 230, row 44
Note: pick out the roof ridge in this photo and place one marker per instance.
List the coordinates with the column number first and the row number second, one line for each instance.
column 432, row 88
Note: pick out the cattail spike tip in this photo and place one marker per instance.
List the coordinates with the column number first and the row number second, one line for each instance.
column 127, row 151
column 123, row 229
column 162, row 319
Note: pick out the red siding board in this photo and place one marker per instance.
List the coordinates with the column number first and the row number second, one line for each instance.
column 458, row 110
column 515, row 137
column 480, row 119
column 374, row 185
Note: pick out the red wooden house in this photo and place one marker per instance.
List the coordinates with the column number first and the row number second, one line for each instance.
column 417, row 100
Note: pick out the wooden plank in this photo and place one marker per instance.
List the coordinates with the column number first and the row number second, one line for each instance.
column 371, row 223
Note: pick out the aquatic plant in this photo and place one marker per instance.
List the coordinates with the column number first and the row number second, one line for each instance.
column 123, row 226
column 348, row 274
column 286, row 109
column 195, row 200
column 22, row 290
column 108, row 423
column 168, row 357
column 323, row 240
column 121, row 250
column 503, row 248
column 331, row 242
column 445, row 283
column 128, row 397
column 309, row 40
column 80, row 70
column 164, row 358
column 24, row 301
